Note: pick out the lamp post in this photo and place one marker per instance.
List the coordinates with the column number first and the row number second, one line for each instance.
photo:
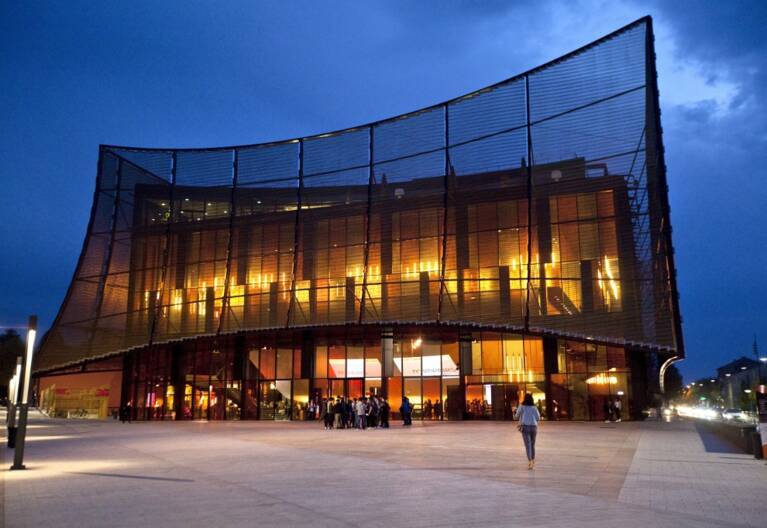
column 24, row 380
column 13, row 390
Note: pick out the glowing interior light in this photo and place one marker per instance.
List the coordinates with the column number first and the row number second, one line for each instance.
column 177, row 300
column 613, row 282
column 602, row 379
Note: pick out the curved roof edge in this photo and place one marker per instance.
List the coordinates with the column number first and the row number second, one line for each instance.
column 647, row 19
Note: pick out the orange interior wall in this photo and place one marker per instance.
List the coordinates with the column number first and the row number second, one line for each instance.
column 88, row 380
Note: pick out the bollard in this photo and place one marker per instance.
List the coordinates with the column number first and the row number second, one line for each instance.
column 756, row 444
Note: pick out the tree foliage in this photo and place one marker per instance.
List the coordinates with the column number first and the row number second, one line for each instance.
column 11, row 346
column 673, row 382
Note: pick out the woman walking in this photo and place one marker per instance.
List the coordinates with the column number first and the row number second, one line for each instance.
column 528, row 417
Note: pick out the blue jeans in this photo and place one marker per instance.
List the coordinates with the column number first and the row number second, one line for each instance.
column 528, row 435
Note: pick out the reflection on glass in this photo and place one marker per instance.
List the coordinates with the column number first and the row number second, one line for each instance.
column 336, row 361
column 372, row 361
column 300, row 399
column 355, row 362
column 432, row 359
column 413, row 392
column 395, row 395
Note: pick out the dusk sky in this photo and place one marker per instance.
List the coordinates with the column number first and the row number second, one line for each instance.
column 193, row 74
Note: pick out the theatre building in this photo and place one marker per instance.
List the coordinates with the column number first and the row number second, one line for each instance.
column 513, row 240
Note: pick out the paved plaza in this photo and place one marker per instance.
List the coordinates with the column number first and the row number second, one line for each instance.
column 106, row 474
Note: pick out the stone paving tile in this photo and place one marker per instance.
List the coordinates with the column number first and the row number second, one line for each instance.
column 672, row 471
column 296, row 474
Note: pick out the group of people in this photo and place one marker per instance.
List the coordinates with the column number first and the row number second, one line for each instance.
column 612, row 410
column 352, row 413
column 432, row 411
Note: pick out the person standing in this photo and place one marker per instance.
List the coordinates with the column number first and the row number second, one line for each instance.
column 617, row 408
column 344, row 413
column 528, row 417
column 361, row 413
column 385, row 413
column 607, row 410
column 437, row 410
column 407, row 411
column 427, row 408
column 350, row 411
column 329, row 413
column 338, row 410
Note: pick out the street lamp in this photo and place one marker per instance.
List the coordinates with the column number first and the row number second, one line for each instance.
column 13, row 396
column 24, row 379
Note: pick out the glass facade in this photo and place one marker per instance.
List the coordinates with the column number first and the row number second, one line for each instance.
column 244, row 282
column 274, row 376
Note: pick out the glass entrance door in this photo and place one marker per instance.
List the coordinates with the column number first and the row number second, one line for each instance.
column 275, row 400
column 492, row 401
column 504, row 401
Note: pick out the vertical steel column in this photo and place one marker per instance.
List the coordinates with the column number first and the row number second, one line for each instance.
column 296, row 231
column 110, row 248
column 445, row 203
column 529, row 164
column 657, row 155
column 230, row 243
column 371, row 179
column 166, row 249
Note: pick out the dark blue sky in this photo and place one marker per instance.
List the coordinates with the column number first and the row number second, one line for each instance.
column 77, row 74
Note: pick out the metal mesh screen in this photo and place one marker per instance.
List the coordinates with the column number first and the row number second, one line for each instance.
column 537, row 205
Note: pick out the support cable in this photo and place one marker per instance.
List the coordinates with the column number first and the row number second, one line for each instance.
column 296, row 232
column 366, row 262
column 529, row 164
column 225, row 301
column 166, row 249
column 107, row 263
column 445, row 203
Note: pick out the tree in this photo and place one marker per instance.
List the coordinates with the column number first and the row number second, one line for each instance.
column 11, row 346
column 673, row 382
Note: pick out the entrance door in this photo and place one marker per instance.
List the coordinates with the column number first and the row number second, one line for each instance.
column 275, row 400
column 355, row 388
column 505, row 399
column 495, row 401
